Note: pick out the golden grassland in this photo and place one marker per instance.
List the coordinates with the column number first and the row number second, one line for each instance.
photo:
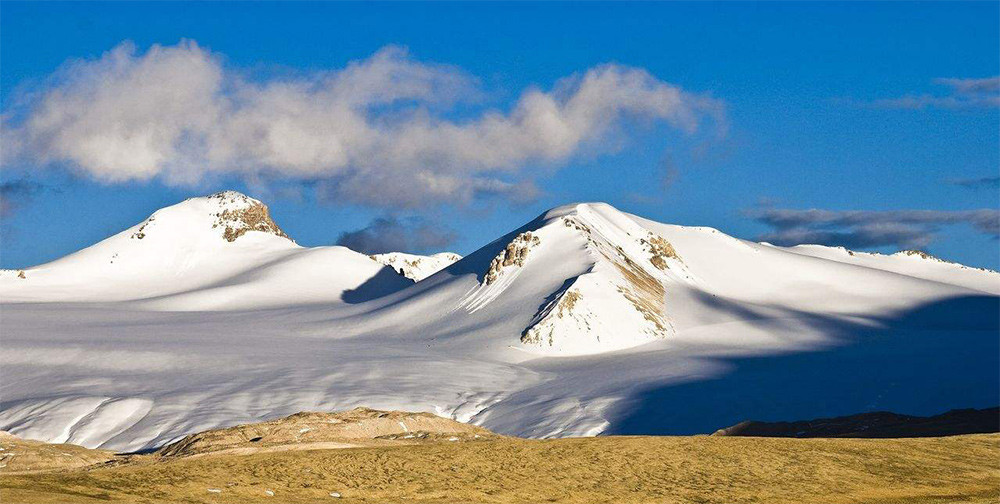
column 698, row 469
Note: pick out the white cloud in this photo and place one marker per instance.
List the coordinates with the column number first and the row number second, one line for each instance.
column 382, row 131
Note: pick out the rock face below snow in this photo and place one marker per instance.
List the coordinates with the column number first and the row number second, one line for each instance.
column 416, row 267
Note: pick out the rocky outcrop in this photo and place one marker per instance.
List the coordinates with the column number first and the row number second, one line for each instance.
column 541, row 333
column 13, row 273
column 514, row 254
column 242, row 214
column 659, row 251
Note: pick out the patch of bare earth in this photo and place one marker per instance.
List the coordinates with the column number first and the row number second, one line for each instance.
column 644, row 291
column 22, row 455
column 357, row 427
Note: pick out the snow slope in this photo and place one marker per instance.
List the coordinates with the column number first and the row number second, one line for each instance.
column 585, row 320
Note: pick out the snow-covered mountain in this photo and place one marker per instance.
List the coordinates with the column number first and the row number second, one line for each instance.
column 611, row 295
column 217, row 252
column 585, row 320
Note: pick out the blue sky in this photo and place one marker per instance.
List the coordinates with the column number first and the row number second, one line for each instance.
column 833, row 107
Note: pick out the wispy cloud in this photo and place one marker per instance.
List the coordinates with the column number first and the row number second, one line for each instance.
column 383, row 131
column 868, row 229
column 668, row 174
column 15, row 193
column 391, row 234
column 977, row 183
column 972, row 86
column 961, row 94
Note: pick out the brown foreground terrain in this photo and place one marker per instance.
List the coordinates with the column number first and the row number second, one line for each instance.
column 367, row 456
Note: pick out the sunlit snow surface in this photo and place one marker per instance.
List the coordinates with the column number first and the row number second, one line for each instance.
column 185, row 331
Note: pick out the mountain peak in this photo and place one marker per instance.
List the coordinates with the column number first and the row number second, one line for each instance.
column 240, row 213
column 231, row 194
column 231, row 212
column 577, row 209
column 612, row 270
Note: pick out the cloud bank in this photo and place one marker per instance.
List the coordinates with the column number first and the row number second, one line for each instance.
column 908, row 229
column 384, row 131
column 390, row 234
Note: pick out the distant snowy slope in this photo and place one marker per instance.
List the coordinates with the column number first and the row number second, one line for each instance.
column 911, row 263
column 217, row 252
column 774, row 277
column 416, row 267
column 586, row 320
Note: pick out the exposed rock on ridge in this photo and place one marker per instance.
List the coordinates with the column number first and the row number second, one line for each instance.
column 514, row 254
column 243, row 214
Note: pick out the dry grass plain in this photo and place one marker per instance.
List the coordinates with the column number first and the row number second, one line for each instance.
column 698, row 469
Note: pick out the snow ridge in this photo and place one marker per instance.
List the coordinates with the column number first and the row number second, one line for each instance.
column 619, row 301
column 614, row 301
